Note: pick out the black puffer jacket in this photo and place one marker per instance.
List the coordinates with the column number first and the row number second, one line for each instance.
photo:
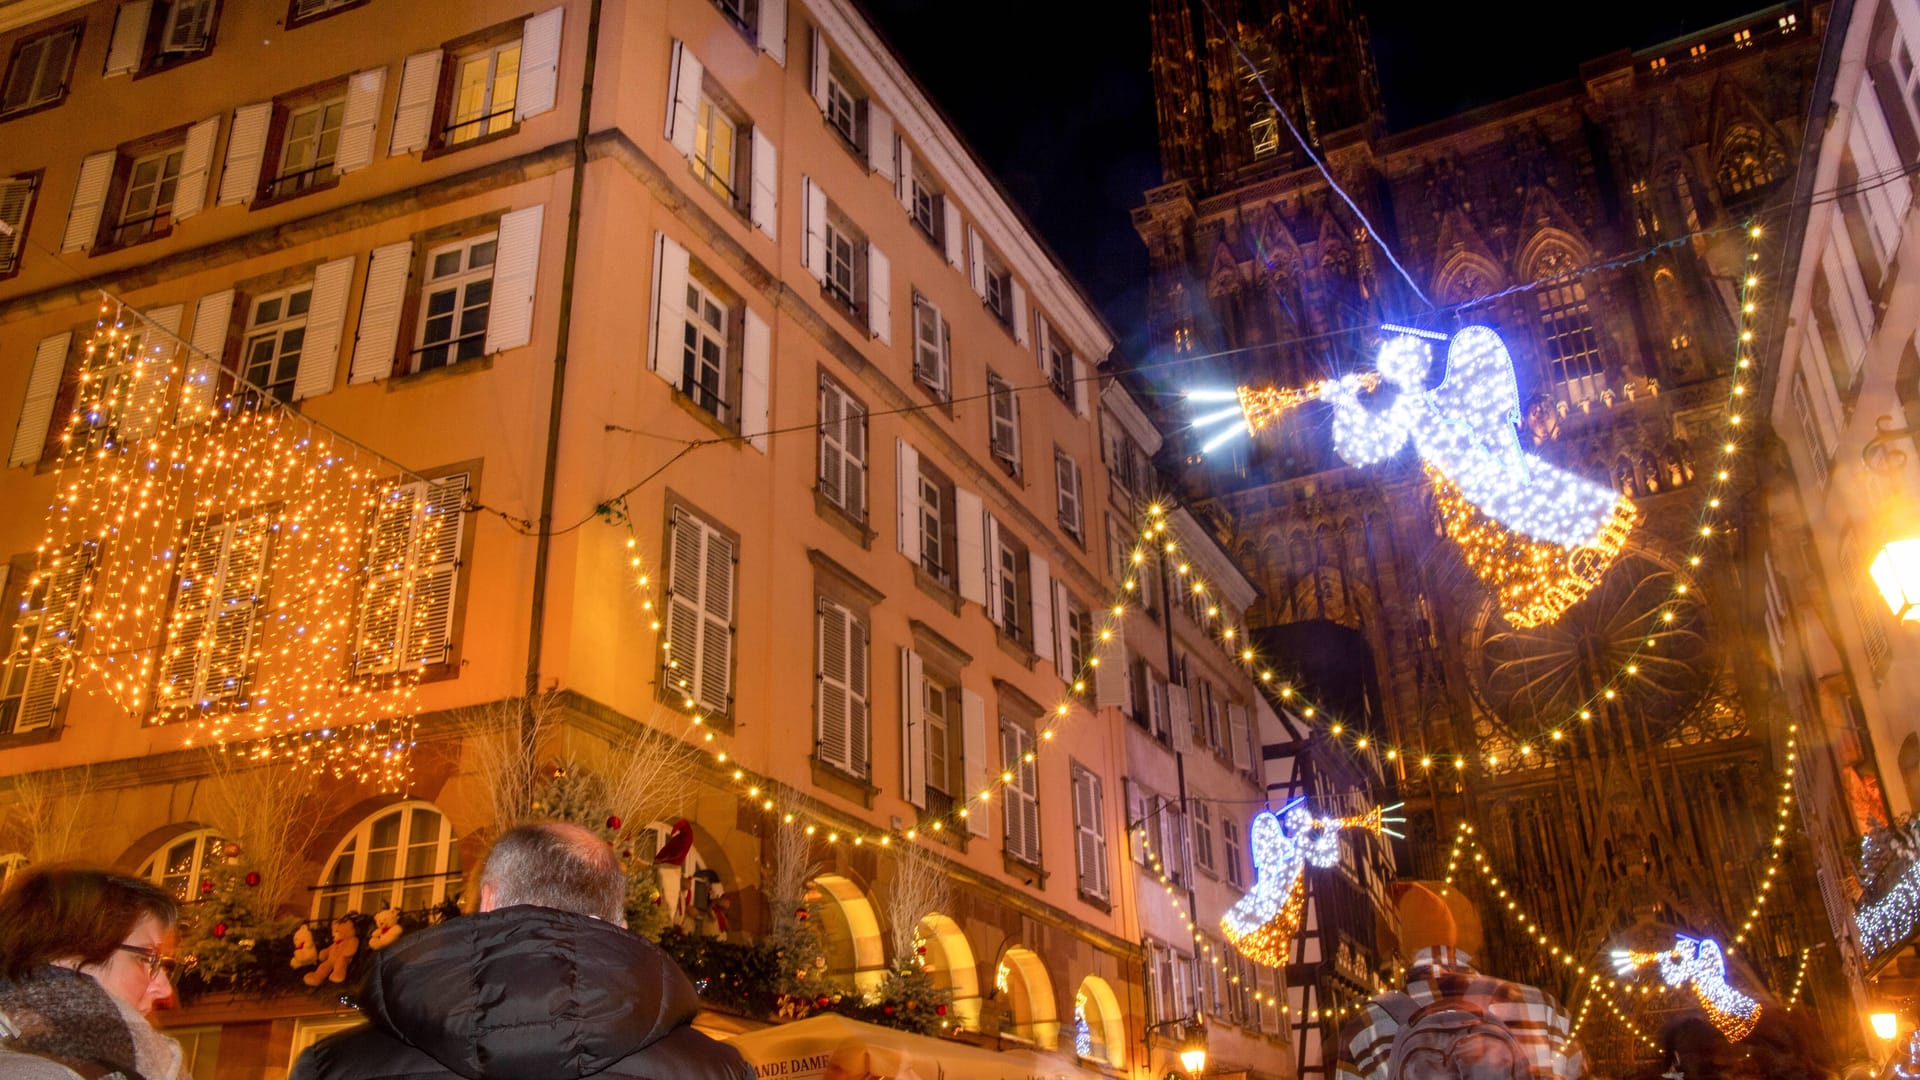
column 524, row 993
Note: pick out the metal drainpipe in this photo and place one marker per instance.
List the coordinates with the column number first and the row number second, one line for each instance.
column 543, row 539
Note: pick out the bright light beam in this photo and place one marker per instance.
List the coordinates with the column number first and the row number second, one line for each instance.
column 1230, row 413
column 1213, row 395
column 1223, row 437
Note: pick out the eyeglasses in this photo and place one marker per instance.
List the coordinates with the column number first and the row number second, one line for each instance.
column 155, row 963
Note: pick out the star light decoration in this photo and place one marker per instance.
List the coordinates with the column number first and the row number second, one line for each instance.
column 1264, row 921
column 1540, row 536
column 1698, row 963
column 207, row 552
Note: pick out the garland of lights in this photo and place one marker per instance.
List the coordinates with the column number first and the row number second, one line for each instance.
column 1890, row 919
column 1697, row 962
column 1262, row 923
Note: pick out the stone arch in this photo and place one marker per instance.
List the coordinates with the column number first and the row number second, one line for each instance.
column 1747, row 149
column 1022, row 984
column 1097, row 1007
column 850, row 930
column 1540, row 256
column 950, row 961
column 1467, row 276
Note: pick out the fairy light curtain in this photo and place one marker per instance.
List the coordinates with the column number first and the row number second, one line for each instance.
column 232, row 566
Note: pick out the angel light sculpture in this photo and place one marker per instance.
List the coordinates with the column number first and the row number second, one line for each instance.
column 1697, row 962
column 1540, row 535
column 1262, row 922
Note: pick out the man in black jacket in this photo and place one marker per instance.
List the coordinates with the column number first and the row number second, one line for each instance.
column 543, row 983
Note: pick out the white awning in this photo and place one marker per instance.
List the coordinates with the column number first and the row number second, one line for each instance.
column 808, row 1049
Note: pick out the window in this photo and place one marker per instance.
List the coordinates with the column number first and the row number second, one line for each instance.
column 927, row 206
column 16, row 206
column 1213, row 707
column 1127, row 466
column 486, row 79
column 407, row 601
column 309, row 142
column 1746, row 161
column 455, row 303
column 930, row 343
column 939, row 709
column 222, row 582
column 1810, row 431
column 46, row 634
column 1136, row 578
column 935, row 508
column 1059, row 363
column 1172, row 840
column 188, row 28
column 1230, row 850
column 841, row 676
column 1090, row 833
column 305, row 11
column 1203, row 836
column 1566, row 328
column 1003, row 418
column 1066, row 503
column 147, row 185
column 1021, row 807
column 182, row 866
column 706, row 348
column 1010, row 583
column 699, row 650
column 843, row 277
column 406, row 857
column 843, row 449
column 1077, row 635
column 1265, row 132
column 844, row 105
column 275, row 333
column 997, row 289
column 715, row 149
column 39, row 71
column 149, row 37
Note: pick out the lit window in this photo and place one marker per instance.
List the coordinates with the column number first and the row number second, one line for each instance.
column 1789, row 23
column 1698, row 52
column 405, row 857
column 455, row 303
column 1658, row 65
column 276, row 331
column 485, row 83
column 1566, row 327
column 1742, row 38
column 715, row 144
column 183, row 865
column 1746, row 162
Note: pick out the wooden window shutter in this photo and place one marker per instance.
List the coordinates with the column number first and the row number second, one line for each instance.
column 974, row 766
column 684, row 75
column 413, row 113
column 1110, row 678
column 359, row 120
column 516, row 273
column 880, row 154
column 951, row 232
column 772, row 31
column 833, row 673
column 146, row 400
column 326, row 316
column 60, row 627
column 756, row 369
column 1040, row 574
column 879, row 295
column 971, row 548
column 383, row 594
column 670, row 263
column 129, row 42
column 211, row 318
column 246, row 152
column 906, row 490
column 539, row 64
column 377, row 337
column 1019, row 313
column 89, row 199
column 439, row 530
column 763, row 204
column 196, row 162
column 913, row 729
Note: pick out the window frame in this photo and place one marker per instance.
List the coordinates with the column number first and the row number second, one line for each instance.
column 728, row 337
column 848, row 446
column 851, row 294
column 286, row 109
column 294, row 19
column 928, row 320
column 1230, row 847
column 491, row 41
column 1202, row 816
column 127, row 158
column 946, row 538
column 1005, row 450
column 1563, row 317
column 459, row 280
column 710, row 106
column 10, row 265
column 77, row 28
column 278, row 327
column 926, row 207
column 208, row 853
column 1014, row 581
column 154, row 58
column 357, row 844
column 1069, row 501
column 840, row 87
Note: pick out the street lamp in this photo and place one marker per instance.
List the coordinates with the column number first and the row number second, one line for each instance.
column 1193, row 1043
column 1896, row 570
column 1885, row 1024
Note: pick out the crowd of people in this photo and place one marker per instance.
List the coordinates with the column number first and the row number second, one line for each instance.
column 542, row 980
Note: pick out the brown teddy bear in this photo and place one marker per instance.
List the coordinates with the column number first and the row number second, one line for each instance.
column 337, row 957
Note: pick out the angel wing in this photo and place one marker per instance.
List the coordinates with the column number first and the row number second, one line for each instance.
column 1480, row 388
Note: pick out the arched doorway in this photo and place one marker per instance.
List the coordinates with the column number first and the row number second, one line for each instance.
column 1100, row 1031
column 1022, row 984
column 951, row 963
column 850, row 931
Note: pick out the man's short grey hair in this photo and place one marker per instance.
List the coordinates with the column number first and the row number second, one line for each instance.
column 556, row 865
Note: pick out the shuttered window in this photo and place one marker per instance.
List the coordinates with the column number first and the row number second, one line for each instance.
column 1090, row 833
column 843, row 449
column 1003, row 413
column 1066, row 474
column 929, row 346
column 208, row 657
column 841, row 698
column 1021, row 805
column 406, row 604
column 455, row 303
column 39, row 73
column 1203, row 836
column 700, row 586
column 1230, row 850
column 45, row 637
column 16, row 203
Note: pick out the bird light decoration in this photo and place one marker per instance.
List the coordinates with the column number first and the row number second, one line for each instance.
column 1541, row 536
column 1698, row 963
column 1283, row 844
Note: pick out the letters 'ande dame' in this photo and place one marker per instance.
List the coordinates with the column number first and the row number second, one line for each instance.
column 1539, row 535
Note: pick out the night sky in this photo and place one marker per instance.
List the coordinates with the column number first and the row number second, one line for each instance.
column 1061, row 110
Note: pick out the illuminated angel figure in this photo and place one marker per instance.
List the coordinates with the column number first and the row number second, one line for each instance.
column 1282, row 845
column 1697, row 962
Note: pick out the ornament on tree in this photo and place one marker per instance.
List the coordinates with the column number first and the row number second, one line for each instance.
column 206, row 886
column 219, row 929
column 1264, row 921
column 231, row 849
column 802, row 914
column 253, row 879
column 613, row 822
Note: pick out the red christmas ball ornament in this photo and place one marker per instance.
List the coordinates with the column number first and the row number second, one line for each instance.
column 822, row 1001
column 802, row 914
column 921, row 949
column 206, row 886
column 253, row 878
column 219, row 929
column 888, row 1010
column 613, row 822
column 940, row 1010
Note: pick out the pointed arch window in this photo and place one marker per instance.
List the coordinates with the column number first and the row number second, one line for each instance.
column 1566, row 327
column 1746, row 163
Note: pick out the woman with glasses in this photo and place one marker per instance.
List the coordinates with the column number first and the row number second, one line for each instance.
column 85, row 955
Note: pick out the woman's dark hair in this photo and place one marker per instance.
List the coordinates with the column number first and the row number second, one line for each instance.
column 58, row 912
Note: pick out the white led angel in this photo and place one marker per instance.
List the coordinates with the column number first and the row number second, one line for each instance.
column 1282, row 845
column 1697, row 962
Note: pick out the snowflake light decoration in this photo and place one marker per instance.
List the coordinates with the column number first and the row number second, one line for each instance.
column 1262, row 923
column 1697, row 962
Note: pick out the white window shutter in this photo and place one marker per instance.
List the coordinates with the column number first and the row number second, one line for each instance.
column 907, row 498
column 1039, row 573
column 326, row 316
column 973, row 728
column 413, row 113
column 357, row 123
column 1062, row 633
column 246, row 149
column 1041, row 343
column 683, row 98
column 212, row 316
column 903, row 181
column 970, row 543
column 43, row 389
column 196, row 161
column 1080, row 384
column 1019, row 313
column 913, row 729
column 380, row 306
column 813, row 224
column 990, row 566
column 1110, row 681
column 129, row 37
column 1179, row 712
column 153, row 374
column 516, row 274
column 65, row 607
column 1237, row 728
column 879, row 295
column 834, row 738
column 976, row 262
column 763, row 204
column 817, row 70
column 756, row 364
column 670, row 264
column 539, row 65
column 952, row 233
column 879, row 140
column 772, row 30
column 89, row 198
column 700, row 585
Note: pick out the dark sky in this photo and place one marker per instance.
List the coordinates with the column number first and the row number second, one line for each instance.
column 1055, row 95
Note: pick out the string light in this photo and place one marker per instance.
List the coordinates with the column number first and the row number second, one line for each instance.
column 1262, row 923
column 1697, row 962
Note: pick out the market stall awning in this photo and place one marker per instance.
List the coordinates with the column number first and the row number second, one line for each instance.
column 832, row 1047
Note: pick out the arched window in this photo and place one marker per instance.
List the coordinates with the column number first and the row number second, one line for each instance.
column 1099, row 1030
column 404, row 855
column 183, row 863
column 950, row 962
column 849, row 932
column 1566, row 327
column 1745, row 163
column 1023, row 986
